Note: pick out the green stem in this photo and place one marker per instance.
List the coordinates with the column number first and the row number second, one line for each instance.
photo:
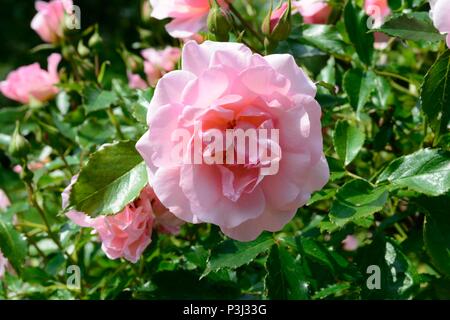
column 395, row 76
column 245, row 23
column 115, row 123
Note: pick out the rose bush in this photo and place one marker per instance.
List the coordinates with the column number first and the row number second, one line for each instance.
column 186, row 149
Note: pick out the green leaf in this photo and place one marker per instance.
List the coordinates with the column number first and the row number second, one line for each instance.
column 426, row 171
column 356, row 25
column 355, row 200
column 398, row 277
column 436, row 233
column 97, row 99
column 336, row 290
column 12, row 245
column 414, row 26
column 317, row 252
column 233, row 254
column 285, row 279
column 348, row 141
column 435, row 94
column 112, row 178
column 324, row 37
column 358, row 85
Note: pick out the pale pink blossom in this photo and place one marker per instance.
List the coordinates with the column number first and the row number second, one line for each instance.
column 188, row 16
column 225, row 86
column 49, row 20
column 440, row 13
column 4, row 203
column 378, row 10
column 127, row 233
column 313, row 11
column 31, row 81
column 156, row 64
column 350, row 243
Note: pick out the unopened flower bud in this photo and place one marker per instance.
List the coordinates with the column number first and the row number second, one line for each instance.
column 83, row 51
column 19, row 147
column 218, row 23
column 277, row 24
column 95, row 40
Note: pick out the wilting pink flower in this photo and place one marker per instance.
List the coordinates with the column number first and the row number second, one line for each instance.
column 440, row 13
column 32, row 81
column 156, row 64
column 350, row 243
column 127, row 233
column 312, row 11
column 223, row 86
column 49, row 21
column 4, row 201
column 188, row 16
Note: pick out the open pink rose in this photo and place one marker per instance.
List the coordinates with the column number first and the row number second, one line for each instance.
column 4, row 201
column 156, row 64
column 312, row 11
column 32, row 81
column 49, row 21
column 127, row 233
column 225, row 88
column 440, row 13
column 188, row 16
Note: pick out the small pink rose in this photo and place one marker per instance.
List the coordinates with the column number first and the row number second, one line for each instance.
column 350, row 243
column 313, row 11
column 49, row 20
column 276, row 15
column 127, row 233
column 32, row 82
column 3, row 265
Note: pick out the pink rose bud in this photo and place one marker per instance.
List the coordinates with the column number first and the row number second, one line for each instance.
column 277, row 25
column 313, row 11
column 440, row 13
column 32, row 82
column 49, row 21
column 225, row 88
column 378, row 10
column 127, row 233
column 188, row 16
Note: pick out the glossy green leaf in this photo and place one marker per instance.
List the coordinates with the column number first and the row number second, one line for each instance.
column 348, row 140
column 426, row 171
column 356, row 25
column 355, row 200
column 97, row 99
column 411, row 26
column 358, row 85
column 233, row 254
column 284, row 279
column 112, row 178
column 12, row 245
column 435, row 94
column 436, row 233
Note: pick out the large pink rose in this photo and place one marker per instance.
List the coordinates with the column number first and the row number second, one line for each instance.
column 49, row 21
column 188, row 16
column 127, row 233
column 4, row 201
column 224, row 88
column 440, row 13
column 156, row 64
column 32, row 81
column 312, row 11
